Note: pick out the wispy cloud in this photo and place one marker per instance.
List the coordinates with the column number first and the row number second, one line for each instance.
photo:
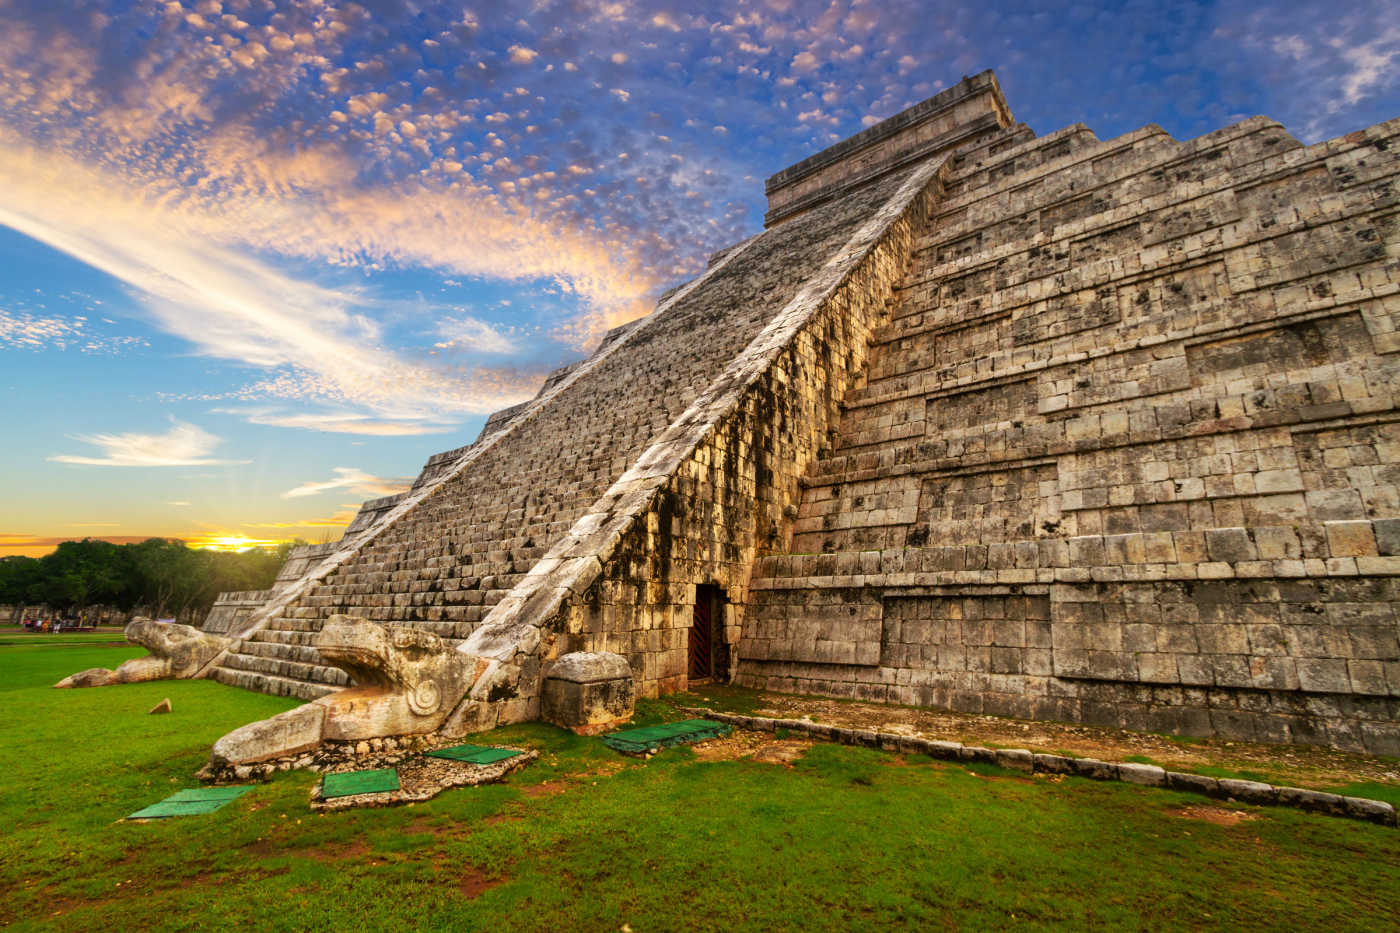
column 339, row 422
column 468, row 333
column 183, row 445
column 355, row 480
column 338, row 520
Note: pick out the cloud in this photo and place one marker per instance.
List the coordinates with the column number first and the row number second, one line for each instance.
column 338, row 520
column 1371, row 64
column 357, row 481
column 469, row 333
column 183, row 445
column 20, row 331
column 339, row 422
column 238, row 308
column 38, row 545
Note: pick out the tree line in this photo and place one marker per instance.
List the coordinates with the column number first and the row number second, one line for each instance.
column 160, row 576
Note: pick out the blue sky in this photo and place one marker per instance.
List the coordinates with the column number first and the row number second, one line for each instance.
column 259, row 260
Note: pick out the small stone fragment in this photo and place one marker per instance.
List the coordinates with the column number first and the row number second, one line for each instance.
column 162, row 707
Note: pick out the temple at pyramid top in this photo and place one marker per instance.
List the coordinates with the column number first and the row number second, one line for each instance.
column 960, row 116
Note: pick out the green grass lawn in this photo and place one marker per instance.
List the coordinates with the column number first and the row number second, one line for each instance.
column 584, row 839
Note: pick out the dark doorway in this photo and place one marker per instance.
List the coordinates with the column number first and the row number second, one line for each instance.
column 708, row 657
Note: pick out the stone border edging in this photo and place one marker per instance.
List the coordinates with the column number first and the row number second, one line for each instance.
column 1020, row 759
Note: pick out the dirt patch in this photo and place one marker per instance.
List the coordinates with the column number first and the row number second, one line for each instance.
column 1287, row 764
column 781, row 753
column 545, row 789
column 1220, row 816
column 475, row 882
column 755, row 746
column 560, row 785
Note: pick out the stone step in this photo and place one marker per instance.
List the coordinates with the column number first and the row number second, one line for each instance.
column 280, row 651
column 270, row 684
column 290, row 670
column 278, row 636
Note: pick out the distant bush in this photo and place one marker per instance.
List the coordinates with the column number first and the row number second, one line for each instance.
column 160, row 575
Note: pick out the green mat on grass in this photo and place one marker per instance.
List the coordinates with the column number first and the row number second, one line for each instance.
column 348, row 783
column 190, row 802
column 475, row 754
column 648, row 738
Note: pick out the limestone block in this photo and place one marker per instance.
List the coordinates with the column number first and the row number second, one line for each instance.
column 588, row 692
column 1018, row 759
column 1319, row 801
column 1134, row 773
column 1196, row 783
column 1350, row 539
column 296, row 730
column 1374, row 811
column 1248, row 791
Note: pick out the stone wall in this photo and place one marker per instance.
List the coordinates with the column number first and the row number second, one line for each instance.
column 1126, row 453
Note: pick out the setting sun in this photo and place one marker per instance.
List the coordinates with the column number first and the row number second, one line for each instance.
column 232, row 543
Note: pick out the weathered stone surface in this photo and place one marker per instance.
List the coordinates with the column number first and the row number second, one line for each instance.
column 1248, row 791
column 1018, row 759
column 1373, row 811
column 1053, row 764
column 1147, row 775
column 1195, row 783
column 978, row 753
column 1096, row 769
column 290, row 733
column 177, row 651
column 1312, row 800
column 588, row 692
column 590, row 667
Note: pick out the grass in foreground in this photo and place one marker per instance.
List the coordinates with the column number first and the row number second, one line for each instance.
column 585, row 839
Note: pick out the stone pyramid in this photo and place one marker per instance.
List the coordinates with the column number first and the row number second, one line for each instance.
column 1048, row 427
